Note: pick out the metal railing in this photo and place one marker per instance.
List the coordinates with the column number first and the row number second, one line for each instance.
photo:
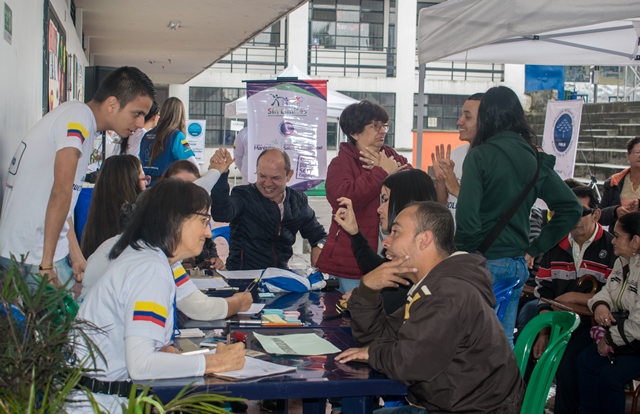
column 462, row 71
column 254, row 59
column 349, row 62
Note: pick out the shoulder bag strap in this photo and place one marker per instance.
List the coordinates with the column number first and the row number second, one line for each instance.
column 497, row 229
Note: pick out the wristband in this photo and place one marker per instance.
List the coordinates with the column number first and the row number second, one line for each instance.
column 41, row 267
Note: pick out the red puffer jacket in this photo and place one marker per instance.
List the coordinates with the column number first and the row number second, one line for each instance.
column 347, row 178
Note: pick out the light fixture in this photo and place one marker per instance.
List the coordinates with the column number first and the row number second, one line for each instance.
column 173, row 25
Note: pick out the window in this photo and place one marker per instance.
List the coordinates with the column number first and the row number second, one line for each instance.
column 269, row 37
column 351, row 24
column 385, row 99
column 441, row 111
column 208, row 104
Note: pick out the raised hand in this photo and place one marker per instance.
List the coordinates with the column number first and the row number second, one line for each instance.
column 345, row 217
column 221, row 160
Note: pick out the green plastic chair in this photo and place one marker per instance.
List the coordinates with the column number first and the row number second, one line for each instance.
column 562, row 325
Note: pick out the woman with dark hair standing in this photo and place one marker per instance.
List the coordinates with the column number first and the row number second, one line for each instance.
column 167, row 142
column 357, row 174
column 503, row 165
column 398, row 190
column 616, row 311
column 120, row 180
column 622, row 190
column 133, row 304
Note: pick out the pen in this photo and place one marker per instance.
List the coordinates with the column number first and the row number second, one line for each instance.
column 228, row 332
column 254, row 283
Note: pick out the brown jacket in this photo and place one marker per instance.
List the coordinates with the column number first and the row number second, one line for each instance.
column 446, row 344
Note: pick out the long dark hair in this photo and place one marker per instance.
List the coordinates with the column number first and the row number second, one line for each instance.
column 405, row 187
column 500, row 110
column 118, row 183
column 172, row 117
column 179, row 166
column 630, row 223
column 157, row 219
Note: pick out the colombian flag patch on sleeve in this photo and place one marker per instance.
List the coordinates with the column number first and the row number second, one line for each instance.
column 150, row 312
column 180, row 276
column 76, row 130
column 185, row 145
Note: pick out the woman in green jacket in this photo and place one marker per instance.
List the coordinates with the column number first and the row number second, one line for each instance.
column 503, row 160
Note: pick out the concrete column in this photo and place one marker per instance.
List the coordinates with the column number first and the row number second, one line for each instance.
column 298, row 37
column 405, row 71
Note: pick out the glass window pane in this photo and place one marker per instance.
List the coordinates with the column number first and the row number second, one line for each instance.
column 324, row 15
column 377, row 5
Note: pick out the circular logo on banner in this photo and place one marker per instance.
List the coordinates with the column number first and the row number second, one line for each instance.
column 194, row 129
column 286, row 128
column 562, row 132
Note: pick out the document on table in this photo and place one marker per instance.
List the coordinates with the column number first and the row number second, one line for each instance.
column 255, row 308
column 215, row 283
column 254, row 368
column 296, row 344
column 240, row 274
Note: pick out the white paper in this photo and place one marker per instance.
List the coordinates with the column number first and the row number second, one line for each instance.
column 210, row 283
column 255, row 308
column 191, row 333
column 240, row 274
column 254, row 368
column 296, row 344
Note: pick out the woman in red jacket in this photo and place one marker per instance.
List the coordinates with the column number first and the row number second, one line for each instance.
column 357, row 173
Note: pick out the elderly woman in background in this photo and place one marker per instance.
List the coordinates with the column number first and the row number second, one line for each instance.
column 622, row 190
column 357, row 174
column 616, row 309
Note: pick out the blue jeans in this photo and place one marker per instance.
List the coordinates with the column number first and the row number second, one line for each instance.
column 347, row 284
column 407, row 409
column 62, row 267
column 505, row 268
column 601, row 383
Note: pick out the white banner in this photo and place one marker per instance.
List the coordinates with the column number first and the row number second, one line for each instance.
column 292, row 116
column 196, row 130
column 561, row 133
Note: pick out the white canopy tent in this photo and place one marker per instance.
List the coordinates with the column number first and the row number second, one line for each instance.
column 542, row 32
column 336, row 101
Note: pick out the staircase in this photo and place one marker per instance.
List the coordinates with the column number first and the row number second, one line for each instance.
column 604, row 132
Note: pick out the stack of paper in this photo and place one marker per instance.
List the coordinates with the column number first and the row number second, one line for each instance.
column 296, row 344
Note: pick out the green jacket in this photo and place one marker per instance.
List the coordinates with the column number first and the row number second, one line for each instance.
column 494, row 175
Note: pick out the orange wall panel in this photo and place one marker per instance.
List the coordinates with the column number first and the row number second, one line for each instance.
column 429, row 143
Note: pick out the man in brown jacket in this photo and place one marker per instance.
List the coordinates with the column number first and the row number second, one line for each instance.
column 446, row 344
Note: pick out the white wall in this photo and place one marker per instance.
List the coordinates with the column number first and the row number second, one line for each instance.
column 21, row 73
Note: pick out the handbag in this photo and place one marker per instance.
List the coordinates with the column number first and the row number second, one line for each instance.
column 497, row 229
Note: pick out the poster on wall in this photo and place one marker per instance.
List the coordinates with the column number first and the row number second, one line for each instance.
column 71, row 79
column 56, row 63
column 291, row 116
column 195, row 135
column 79, row 74
column 561, row 133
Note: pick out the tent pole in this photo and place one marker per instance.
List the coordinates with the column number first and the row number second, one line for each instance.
column 420, row 114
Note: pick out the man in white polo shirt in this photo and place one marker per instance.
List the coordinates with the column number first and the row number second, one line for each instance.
column 46, row 172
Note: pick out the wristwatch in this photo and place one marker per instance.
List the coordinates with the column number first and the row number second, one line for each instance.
column 320, row 244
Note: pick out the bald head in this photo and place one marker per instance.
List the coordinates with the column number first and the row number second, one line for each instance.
column 273, row 174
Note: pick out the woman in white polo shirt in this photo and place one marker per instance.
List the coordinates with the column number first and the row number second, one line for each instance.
column 133, row 304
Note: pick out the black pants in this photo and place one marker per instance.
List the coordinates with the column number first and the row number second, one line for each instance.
column 567, row 397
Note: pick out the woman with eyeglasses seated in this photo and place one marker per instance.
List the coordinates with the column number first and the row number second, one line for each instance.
column 357, row 174
column 398, row 190
column 133, row 305
column 120, row 180
column 607, row 367
column 622, row 190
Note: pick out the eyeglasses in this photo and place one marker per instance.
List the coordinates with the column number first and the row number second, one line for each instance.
column 146, row 179
column 587, row 211
column 379, row 125
column 207, row 216
column 383, row 198
column 635, row 152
